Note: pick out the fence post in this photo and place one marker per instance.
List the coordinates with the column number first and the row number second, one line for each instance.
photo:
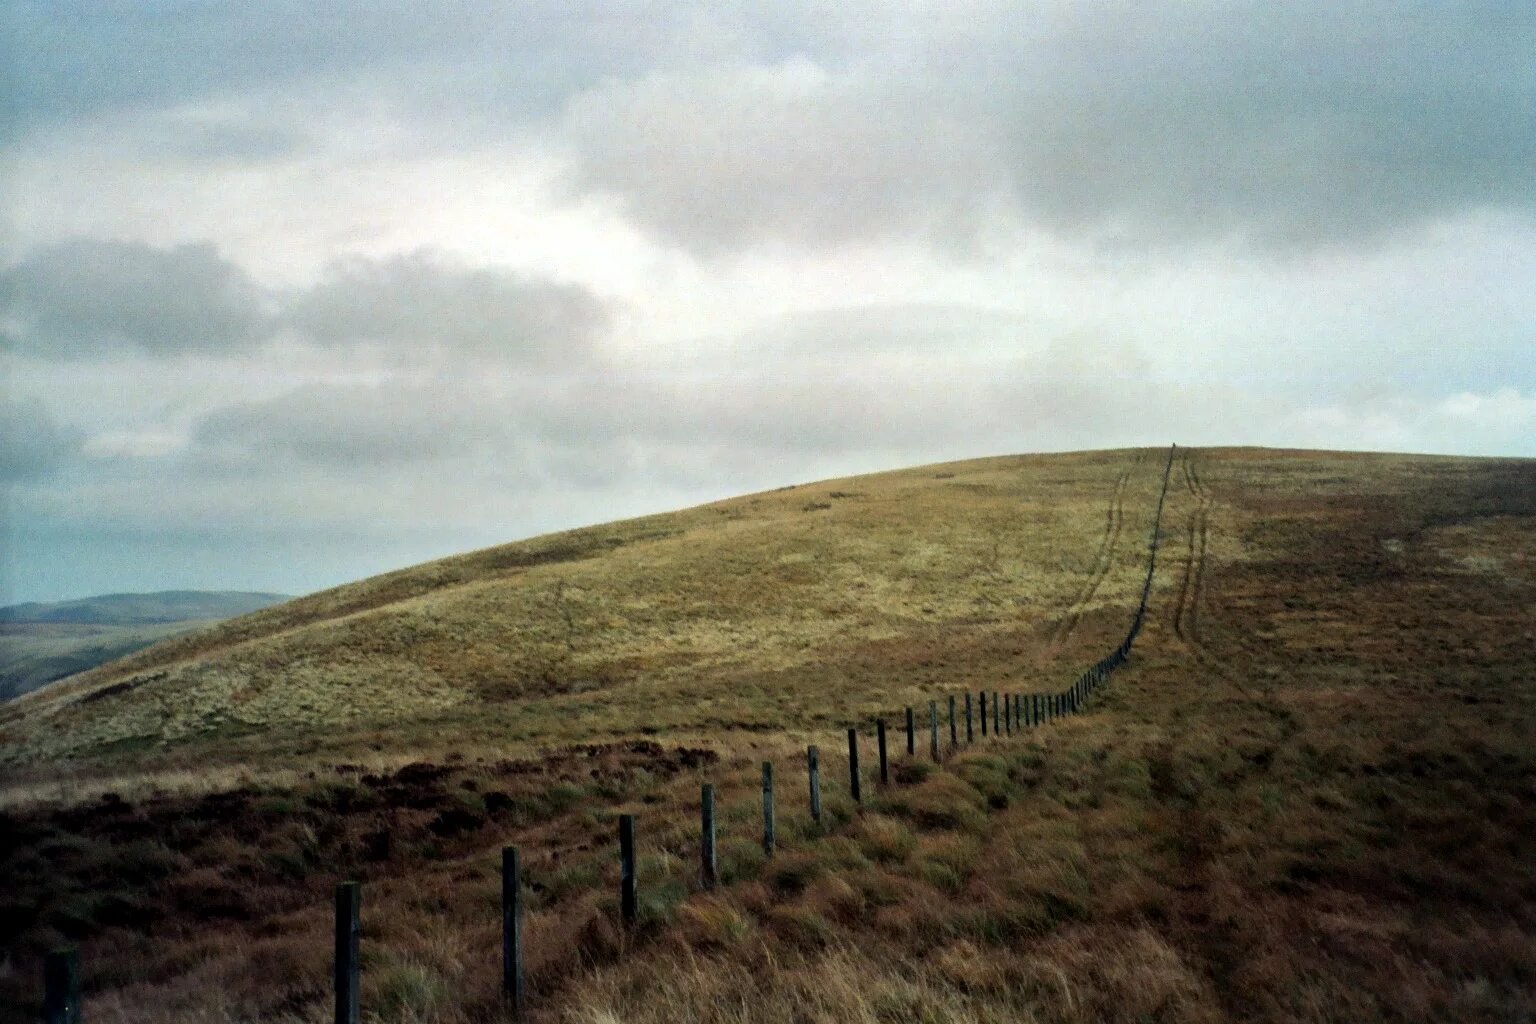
column 61, row 987
column 813, row 768
column 885, row 770
column 769, row 839
column 853, row 765
column 954, row 734
column 996, row 715
column 708, row 867
column 933, row 729
column 983, row 714
column 512, row 929
column 970, row 733
column 1007, row 714
column 348, row 900
column 1018, row 712
column 628, row 902
column 1034, row 712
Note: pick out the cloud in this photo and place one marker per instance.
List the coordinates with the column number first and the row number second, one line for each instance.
column 1283, row 127
column 32, row 443
column 359, row 426
column 602, row 421
column 86, row 296
column 425, row 298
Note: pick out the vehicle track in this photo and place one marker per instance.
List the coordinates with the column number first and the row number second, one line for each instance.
column 1103, row 559
column 1186, row 610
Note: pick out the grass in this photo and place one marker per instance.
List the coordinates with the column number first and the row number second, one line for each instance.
column 1310, row 796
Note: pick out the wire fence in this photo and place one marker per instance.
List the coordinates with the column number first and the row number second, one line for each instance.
column 991, row 713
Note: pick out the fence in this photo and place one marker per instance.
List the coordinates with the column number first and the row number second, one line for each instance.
column 1001, row 714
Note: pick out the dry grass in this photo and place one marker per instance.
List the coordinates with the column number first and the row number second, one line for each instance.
column 1310, row 797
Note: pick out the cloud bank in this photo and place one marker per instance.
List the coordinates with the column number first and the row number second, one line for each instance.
column 289, row 294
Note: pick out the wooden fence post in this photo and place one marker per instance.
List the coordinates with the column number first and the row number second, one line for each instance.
column 61, row 987
column 349, row 897
column 629, row 904
column 885, row 770
column 996, row 716
column 813, row 768
column 970, row 733
column 512, row 930
column 933, row 729
column 708, row 868
column 911, row 738
column 983, row 714
column 954, row 727
column 853, row 765
column 1007, row 715
column 769, row 837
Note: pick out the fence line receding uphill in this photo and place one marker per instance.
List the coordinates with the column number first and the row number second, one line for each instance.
column 1002, row 714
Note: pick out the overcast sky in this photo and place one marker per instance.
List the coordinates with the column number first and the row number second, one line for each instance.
column 292, row 293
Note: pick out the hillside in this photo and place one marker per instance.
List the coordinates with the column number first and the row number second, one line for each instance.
column 41, row 642
column 1309, row 796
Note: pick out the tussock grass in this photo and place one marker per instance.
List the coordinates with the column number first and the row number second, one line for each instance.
column 1309, row 797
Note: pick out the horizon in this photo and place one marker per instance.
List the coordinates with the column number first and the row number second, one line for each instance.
column 291, row 297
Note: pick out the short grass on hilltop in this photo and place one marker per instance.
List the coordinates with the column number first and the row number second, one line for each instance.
column 742, row 614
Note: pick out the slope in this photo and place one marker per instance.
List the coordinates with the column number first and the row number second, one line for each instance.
column 1310, row 796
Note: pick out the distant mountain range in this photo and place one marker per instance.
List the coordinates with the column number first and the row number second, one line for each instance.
column 41, row 642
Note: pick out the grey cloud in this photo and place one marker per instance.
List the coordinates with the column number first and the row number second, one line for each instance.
column 360, row 426
column 756, row 124
column 1294, row 125
column 584, row 424
column 32, row 443
column 84, row 296
column 421, row 298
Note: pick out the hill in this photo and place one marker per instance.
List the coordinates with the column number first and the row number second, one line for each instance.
column 1310, row 795
column 41, row 642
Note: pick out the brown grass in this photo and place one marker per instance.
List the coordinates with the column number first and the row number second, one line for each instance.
column 1311, row 796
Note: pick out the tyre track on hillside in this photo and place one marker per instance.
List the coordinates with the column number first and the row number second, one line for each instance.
column 1186, row 610
column 1103, row 559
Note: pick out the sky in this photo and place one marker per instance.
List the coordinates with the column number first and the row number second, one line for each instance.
column 293, row 293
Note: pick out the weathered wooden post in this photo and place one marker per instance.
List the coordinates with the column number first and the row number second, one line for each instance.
column 885, row 770
column 1007, row 715
column 769, row 838
column 512, row 928
column 970, row 733
column 853, row 765
column 933, row 729
column 996, row 716
column 911, row 738
column 629, row 904
column 813, row 768
column 954, row 727
column 708, row 866
column 61, row 987
column 349, row 898
column 983, row 714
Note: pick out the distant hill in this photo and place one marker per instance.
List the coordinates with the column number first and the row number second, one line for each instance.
column 163, row 606
column 42, row 642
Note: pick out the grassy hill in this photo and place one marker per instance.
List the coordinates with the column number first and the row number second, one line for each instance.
column 1310, row 795
column 41, row 642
